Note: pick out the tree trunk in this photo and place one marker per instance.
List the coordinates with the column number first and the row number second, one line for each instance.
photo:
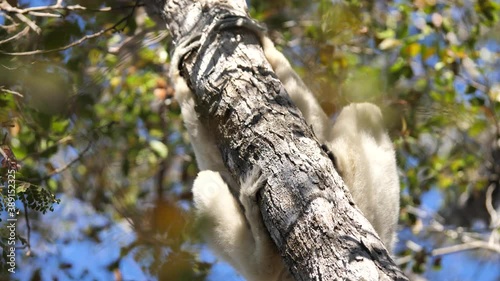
column 305, row 205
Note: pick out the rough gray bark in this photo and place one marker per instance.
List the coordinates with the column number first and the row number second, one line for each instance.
column 305, row 205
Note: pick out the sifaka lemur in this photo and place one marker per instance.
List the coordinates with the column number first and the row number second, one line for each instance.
column 362, row 150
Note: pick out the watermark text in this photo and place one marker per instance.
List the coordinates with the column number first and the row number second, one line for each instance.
column 11, row 220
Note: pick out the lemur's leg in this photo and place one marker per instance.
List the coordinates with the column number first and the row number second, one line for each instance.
column 241, row 239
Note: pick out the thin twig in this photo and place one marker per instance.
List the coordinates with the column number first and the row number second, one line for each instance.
column 2, row 89
column 3, row 153
column 67, row 165
column 449, row 249
column 77, row 42
column 62, row 141
column 29, row 23
column 8, row 18
column 81, row 40
column 475, row 84
column 489, row 206
column 45, row 15
column 5, row 6
column 81, row 8
column 468, row 240
column 465, row 247
column 17, row 35
column 28, row 227
column 36, row 11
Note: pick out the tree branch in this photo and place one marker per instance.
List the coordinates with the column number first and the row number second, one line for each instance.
column 38, row 11
column 67, row 165
column 16, row 36
column 304, row 203
column 476, row 244
column 469, row 240
column 494, row 218
column 5, row 6
column 28, row 228
column 114, row 27
column 7, row 91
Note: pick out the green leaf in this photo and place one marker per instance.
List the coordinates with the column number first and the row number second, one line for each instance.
column 22, row 187
column 159, row 147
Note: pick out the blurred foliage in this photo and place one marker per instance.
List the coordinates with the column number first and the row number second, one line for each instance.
column 96, row 123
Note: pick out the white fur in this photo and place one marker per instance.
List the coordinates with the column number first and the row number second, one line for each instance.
column 364, row 155
column 207, row 154
column 297, row 90
column 240, row 239
column 363, row 150
column 367, row 163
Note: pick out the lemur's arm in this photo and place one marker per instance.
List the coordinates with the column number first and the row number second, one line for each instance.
column 298, row 91
column 205, row 149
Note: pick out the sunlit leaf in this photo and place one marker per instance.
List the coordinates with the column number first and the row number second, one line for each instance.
column 412, row 49
column 389, row 43
column 159, row 147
